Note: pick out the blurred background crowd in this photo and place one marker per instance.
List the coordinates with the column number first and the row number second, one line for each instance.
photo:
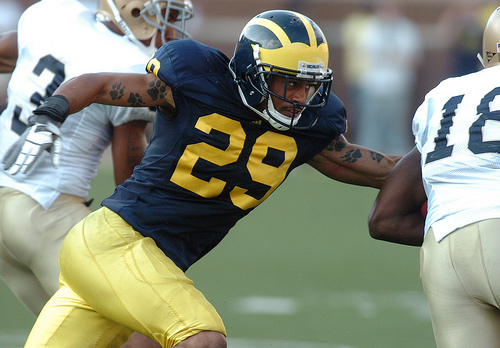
column 385, row 54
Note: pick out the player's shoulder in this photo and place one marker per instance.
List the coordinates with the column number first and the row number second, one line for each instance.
column 470, row 82
column 47, row 10
column 186, row 47
column 332, row 119
column 193, row 54
column 50, row 22
column 334, row 103
column 334, row 108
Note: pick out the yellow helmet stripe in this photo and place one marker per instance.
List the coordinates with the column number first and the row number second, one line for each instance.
column 281, row 34
column 310, row 30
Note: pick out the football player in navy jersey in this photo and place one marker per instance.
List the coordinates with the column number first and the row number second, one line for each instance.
column 37, row 210
column 455, row 165
column 227, row 132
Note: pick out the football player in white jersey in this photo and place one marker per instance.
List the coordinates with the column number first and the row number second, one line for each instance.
column 456, row 166
column 55, row 41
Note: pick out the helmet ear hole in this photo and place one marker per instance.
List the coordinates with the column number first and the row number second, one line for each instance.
column 136, row 12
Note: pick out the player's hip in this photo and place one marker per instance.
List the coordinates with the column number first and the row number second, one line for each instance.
column 25, row 225
column 465, row 262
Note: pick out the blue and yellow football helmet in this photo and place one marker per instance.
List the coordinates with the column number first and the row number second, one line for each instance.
column 287, row 44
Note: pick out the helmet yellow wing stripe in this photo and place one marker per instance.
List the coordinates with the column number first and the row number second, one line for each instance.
column 281, row 34
column 289, row 55
column 310, row 30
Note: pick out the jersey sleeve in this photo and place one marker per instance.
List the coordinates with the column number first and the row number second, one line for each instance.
column 161, row 65
column 332, row 119
column 419, row 124
column 339, row 115
column 120, row 115
column 181, row 63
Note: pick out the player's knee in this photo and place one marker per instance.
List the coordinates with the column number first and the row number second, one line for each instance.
column 205, row 339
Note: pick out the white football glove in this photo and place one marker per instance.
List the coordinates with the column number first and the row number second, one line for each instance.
column 42, row 134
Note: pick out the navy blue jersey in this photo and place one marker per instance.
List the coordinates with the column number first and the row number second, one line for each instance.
column 214, row 160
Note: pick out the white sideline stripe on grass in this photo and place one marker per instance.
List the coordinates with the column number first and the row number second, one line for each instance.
column 368, row 305
column 266, row 305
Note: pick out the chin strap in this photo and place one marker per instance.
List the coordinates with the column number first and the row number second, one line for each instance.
column 480, row 59
column 128, row 32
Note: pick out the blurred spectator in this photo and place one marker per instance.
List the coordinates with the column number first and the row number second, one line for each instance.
column 462, row 24
column 354, row 29
column 10, row 11
column 391, row 49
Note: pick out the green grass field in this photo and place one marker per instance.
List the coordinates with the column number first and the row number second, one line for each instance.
column 299, row 271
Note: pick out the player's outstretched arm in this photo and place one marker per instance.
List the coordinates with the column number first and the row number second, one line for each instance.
column 121, row 89
column 353, row 164
column 42, row 133
column 396, row 214
column 8, row 51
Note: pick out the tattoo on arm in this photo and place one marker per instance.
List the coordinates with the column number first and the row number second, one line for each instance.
column 376, row 156
column 135, row 99
column 336, row 145
column 157, row 90
column 117, row 91
column 352, row 155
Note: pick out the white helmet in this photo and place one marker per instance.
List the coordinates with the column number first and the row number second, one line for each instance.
column 491, row 41
column 142, row 19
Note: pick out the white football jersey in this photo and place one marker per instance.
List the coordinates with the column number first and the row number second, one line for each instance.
column 457, row 131
column 58, row 40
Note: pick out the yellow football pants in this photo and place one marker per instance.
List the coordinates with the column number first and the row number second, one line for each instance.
column 114, row 281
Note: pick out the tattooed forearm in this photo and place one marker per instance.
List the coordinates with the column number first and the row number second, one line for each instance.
column 352, row 156
column 352, row 153
column 116, row 91
column 336, row 145
column 135, row 99
column 376, row 156
column 157, row 90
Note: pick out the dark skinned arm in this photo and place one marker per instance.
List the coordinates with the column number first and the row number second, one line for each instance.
column 121, row 89
column 396, row 213
column 8, row 51
column 127, row 148
column 353, row 164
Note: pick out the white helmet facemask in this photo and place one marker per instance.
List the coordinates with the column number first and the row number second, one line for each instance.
column 159, row 9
